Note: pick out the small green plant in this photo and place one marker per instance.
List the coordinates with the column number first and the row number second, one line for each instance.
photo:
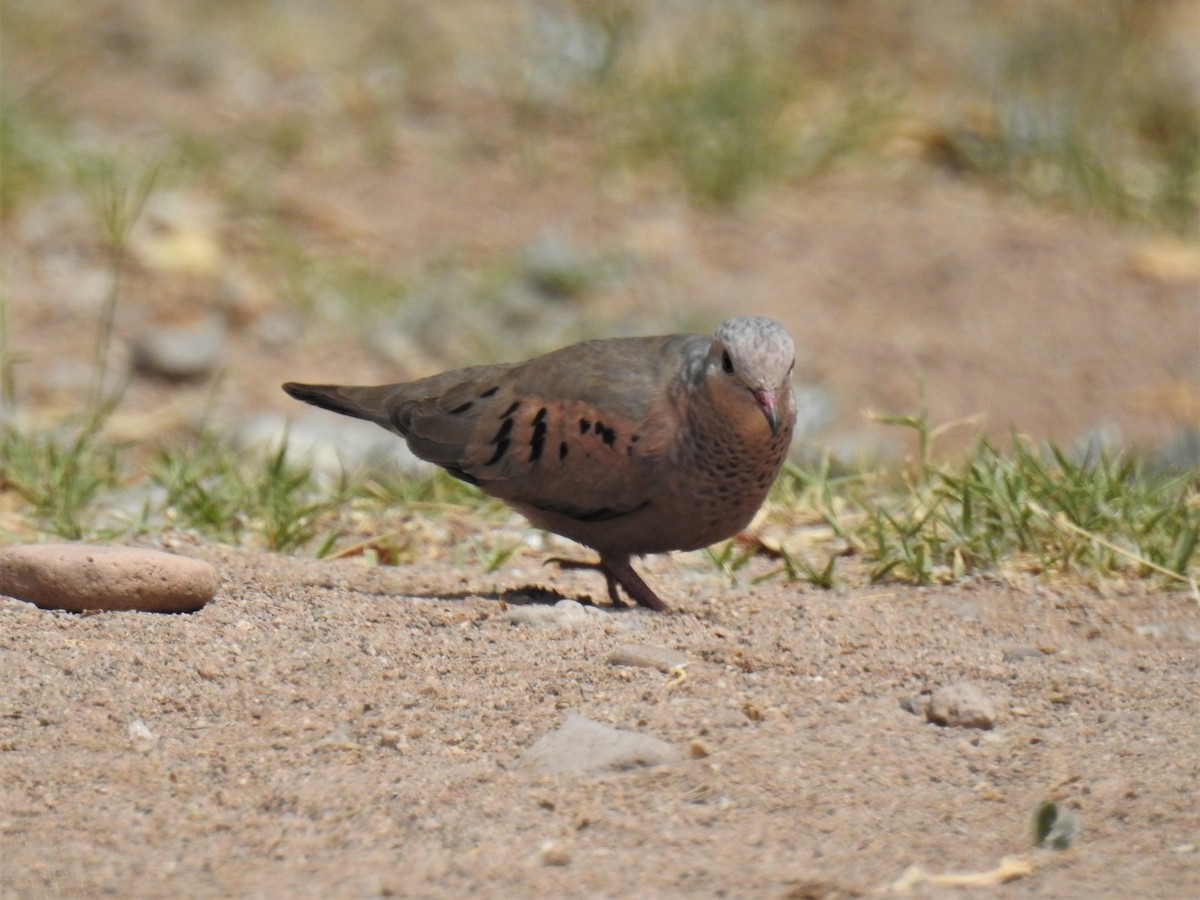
column 212, row 489
column 729, row 558
column 1054, row 828
column 60, row 475
column 493, row 555
column 115, row 191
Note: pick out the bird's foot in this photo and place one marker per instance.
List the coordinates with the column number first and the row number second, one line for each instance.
column 617, row 570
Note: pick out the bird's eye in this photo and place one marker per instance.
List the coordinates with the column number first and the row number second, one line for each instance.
column 727, row 363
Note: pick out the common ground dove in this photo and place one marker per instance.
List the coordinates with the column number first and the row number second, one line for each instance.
column 629, row 446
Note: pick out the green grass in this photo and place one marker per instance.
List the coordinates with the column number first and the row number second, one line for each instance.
column 211, row 488
column 59, row 476
column 1030, row 509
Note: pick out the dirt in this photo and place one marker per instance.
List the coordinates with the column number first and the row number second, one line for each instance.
column 330, row 729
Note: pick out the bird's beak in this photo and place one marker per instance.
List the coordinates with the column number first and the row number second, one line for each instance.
column 767, row 403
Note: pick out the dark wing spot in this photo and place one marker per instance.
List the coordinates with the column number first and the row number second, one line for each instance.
column 607, row 435
column 458, row 410
column 538, row 439
column 584, row 425
column 489, row 392
column 562, row 450
column 501, row 449
column 540, row 417
column 635, row 438
column 502, row 434
column 512, row 409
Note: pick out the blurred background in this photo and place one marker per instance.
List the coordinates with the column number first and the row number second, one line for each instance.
column 988, row 210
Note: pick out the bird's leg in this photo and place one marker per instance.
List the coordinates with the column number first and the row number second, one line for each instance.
column 620, row 569
column 562, row 563
column 617, row 570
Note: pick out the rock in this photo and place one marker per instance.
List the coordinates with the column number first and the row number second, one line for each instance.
column 582, row 745
column 140, row 731
column 80, row 577
column 563, row 614
column 662, row 658
column 555, row 853
column 182, row 353
column 1181, row 453
column 961, row 705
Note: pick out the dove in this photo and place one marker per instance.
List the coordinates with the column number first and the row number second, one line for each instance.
column 628, row 446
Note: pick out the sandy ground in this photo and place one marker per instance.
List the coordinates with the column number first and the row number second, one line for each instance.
column 327, row 729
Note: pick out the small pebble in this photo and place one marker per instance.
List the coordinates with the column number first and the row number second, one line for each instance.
column 581, row 745
column 662, row 658
column 555, row 853
column 563, row 614
column 79, row 577
column 961, row 705
column 139, row 731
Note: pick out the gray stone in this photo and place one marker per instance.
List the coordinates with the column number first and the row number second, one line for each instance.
column 582, row 745
column 183, row 353
column 563, row 614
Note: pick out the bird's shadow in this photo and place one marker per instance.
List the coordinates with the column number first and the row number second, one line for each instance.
column 527, row 595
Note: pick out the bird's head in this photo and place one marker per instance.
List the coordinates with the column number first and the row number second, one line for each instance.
column 749, row 371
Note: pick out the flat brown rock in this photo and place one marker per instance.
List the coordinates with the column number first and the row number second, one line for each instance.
column 79, row 577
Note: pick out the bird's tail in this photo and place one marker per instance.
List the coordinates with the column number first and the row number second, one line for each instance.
column 359, row 402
